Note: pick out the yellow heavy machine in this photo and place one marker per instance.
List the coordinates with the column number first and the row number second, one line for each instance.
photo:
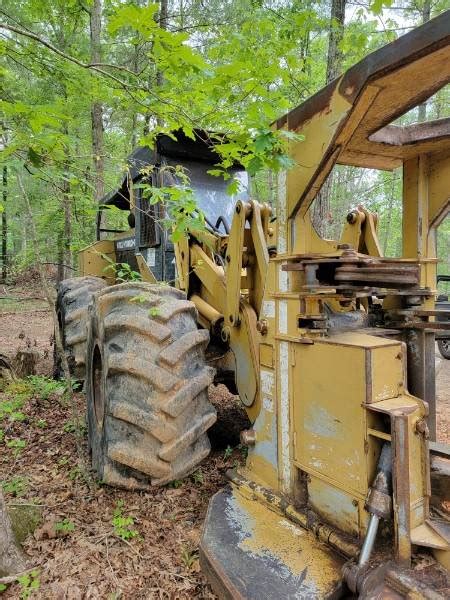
column 329, row 344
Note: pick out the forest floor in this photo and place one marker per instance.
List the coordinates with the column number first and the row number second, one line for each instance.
column 93, row 541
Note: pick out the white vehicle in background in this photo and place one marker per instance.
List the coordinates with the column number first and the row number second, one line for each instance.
column 443, row 303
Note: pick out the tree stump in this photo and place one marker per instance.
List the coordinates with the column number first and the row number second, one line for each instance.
column 6, row 370
column 25, row 363
column 12, row 559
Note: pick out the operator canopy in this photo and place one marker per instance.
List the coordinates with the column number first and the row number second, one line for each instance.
column 197, row 157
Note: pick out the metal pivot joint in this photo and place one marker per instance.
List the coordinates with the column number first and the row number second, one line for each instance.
column 379, row 505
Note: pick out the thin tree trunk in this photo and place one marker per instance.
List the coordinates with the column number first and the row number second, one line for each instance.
column 97, row 108
column 334, row 57
column 12, row 559
column 67, row 223
column 134, row 117
column 5, row 225
column 321, row 212
column 61, row 271
column 426, row 13
column 47, row 291
column 162, row 22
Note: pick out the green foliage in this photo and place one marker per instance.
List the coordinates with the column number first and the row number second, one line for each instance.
column 123, row 272
column 29, row 583
column 16, row 445
column 10, row 409
column 228, row 452
column 189, row 557
column 16, row 486
column 197, row 476
column 123, row 525
column 176, row 483
column 231, row 67
column 75, row 474
column 75, row 426
column 65, row 526
column 44, row 387
column 15, row 396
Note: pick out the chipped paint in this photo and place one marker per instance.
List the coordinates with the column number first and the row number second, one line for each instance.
column 265, row 427
column 334, row 505
column 293, row 552
column 267, row 404
column 268, row 309
column 285, row 467
column 282, row 317
column 283, row 282
column 322, row 423
column 295, row 530
column 267, row 382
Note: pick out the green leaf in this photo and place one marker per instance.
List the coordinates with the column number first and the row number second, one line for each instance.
column 35, row 158
column 233, row 187
column 255, row 165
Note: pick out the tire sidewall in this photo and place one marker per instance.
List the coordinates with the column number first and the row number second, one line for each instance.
column 58, row 371
column 96, row 430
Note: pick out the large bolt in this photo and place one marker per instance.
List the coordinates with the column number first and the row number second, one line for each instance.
column 262, row 326
column 352, row 217
column 422, row 428
column 248, row 437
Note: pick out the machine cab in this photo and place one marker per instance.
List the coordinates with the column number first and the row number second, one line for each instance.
column 176, row 161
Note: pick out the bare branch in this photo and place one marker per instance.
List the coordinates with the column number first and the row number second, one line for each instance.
column 124, row 84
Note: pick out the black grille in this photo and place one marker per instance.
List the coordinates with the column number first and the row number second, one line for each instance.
column 149, row 233
column 128, row 257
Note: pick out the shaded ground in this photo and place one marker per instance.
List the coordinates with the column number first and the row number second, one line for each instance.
column 443, row 398
column 77, row 548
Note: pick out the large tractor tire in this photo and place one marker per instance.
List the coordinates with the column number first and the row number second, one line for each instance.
column 72, row 302
column 146, row 386
column 444, row 348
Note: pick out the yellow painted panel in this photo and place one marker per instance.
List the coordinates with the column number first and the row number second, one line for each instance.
column 266, row 355
column 386, row 372
column 334, row 505
column 329, row 419
column 94, row 259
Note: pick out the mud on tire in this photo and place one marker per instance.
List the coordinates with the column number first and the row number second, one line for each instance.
column 74, row 297
column 147, row 386
column 444, row 348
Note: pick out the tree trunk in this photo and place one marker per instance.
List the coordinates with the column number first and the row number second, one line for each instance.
column 162, row 22
column 60, row 260
column 134, row 118
column 426, row 13
column 12, row 559
column 336, row 33
column 321, row 213
column 4, row 225
column 97, row 108
column 67, row 254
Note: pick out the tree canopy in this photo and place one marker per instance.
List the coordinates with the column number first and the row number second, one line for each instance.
column 85, row 81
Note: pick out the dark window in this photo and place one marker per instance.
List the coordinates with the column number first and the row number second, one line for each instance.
column 149, row 228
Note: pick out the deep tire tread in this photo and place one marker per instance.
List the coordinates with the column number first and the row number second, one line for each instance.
column 74, row 297
column 158, row 410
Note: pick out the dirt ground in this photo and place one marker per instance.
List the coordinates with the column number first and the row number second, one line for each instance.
column 76, row 547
